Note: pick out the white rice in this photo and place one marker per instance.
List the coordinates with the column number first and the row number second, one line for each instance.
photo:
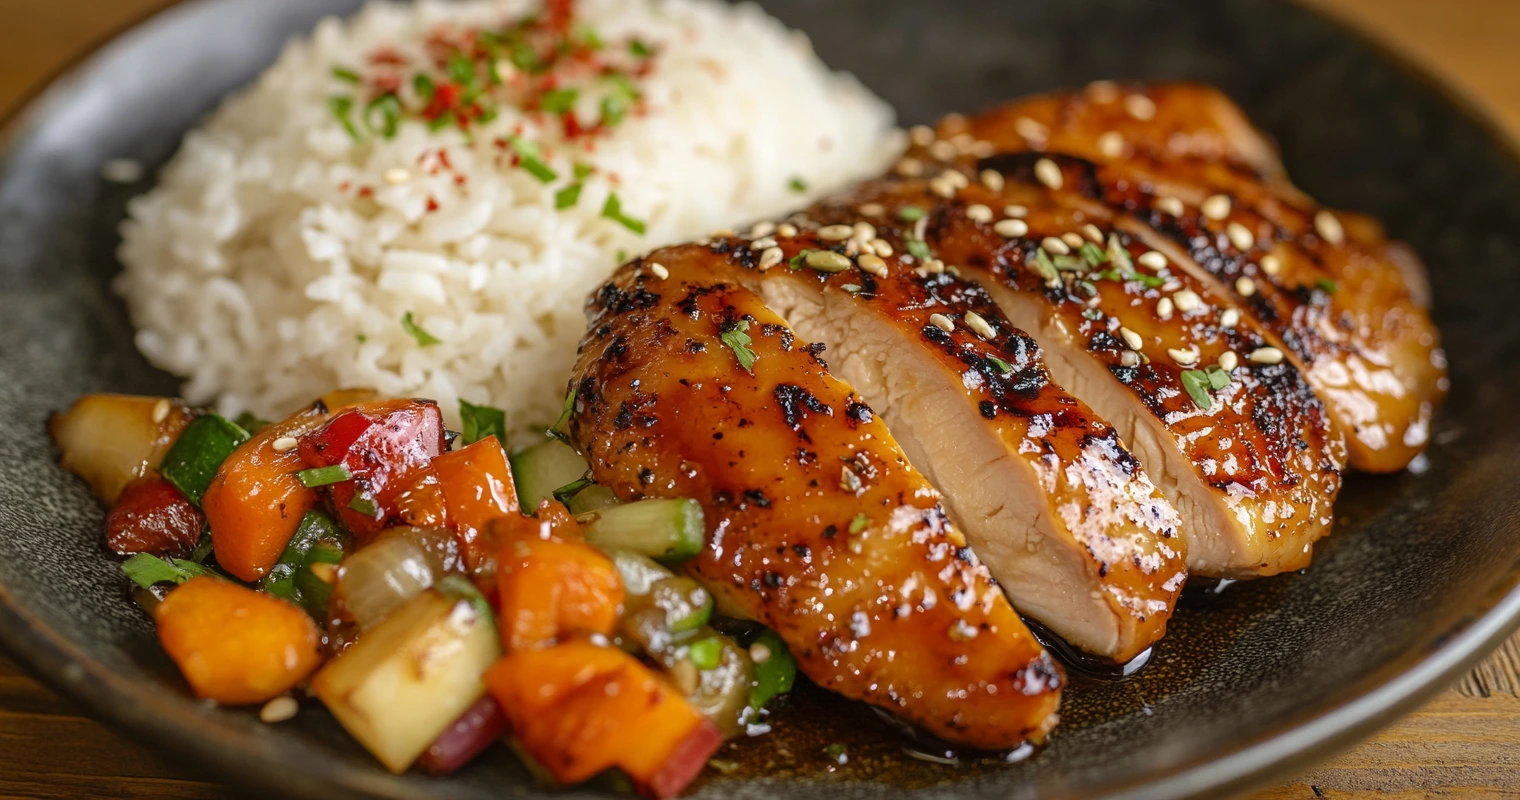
column 251, row 271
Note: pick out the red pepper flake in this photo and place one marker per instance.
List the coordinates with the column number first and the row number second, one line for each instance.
column 432, row 204
column 459, row 180
column 343, row 187
column 387, row 55
column 366, row 191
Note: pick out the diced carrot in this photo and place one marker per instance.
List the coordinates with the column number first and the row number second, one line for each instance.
column 549, row 589
column 235, row 645
column 255, row 502
column 476, row 482
column 152, row 516
column 580, row 708
column 381, row 443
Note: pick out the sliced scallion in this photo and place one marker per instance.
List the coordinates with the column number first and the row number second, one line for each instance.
column 323, row 476
column 613, row 210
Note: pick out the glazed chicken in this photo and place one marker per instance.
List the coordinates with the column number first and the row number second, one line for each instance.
column 1180, row 168
column 689, row 386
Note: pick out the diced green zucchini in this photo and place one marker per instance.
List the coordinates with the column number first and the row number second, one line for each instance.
column 195, row 457
column 542, row 468
column 666, row 530
column 280, row 581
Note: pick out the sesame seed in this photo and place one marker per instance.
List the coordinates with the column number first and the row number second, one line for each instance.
column 1017, row 212
column 1216, row 207
column 1187, row 300
column 161, row 410
column 1091, row 231
column 981, row 148
column 942, row 322
column 976, row 212
column 1073, row 240
column 1240, row 236
column 962, row 631
column 1186, row 358
column 1047, row 173
column 979, row 325
column 942, row 150
column 933, row 266
column 1055, row 246
column 921, row 135
column 1152, row 259
column 1266, row 355
column 956, row 178
column 279, row 709
column 396, row 176
column 921, row 227
column 872, row 210
column 722, row 233
column 761, row 244
column 1103, row 91
column 992, row 179
column 882, row 247
column 770, row 258
column 942, row 187
column 284, row 444
column 827, row 261
column 759, row 653
column 1329, row 227
column 1011, row 228
column 910, row 167
column 1030, row 129
column 1164, row 308
column 1245, row 286
column 786, row 229
column 1170, row 205
column 1228, row 360
column 835, row 233
column 1271, row 264
column 1140, row 107
column 1229, row 318
column 1131, row 339
column 1129, row 358
column 865, row 231
column 1111, row 144
column 659, row 271
column 762, row 229
column 872, row 263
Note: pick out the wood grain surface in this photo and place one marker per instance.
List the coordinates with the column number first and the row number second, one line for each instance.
column 1465, row 743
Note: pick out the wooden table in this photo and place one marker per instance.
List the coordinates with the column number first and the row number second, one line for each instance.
column 1465, row 743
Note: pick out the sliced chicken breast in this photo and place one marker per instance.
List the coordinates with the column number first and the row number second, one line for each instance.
column 689, row 386
column 1345, row 305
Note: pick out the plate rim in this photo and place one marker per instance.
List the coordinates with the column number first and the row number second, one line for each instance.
column 1291, row 747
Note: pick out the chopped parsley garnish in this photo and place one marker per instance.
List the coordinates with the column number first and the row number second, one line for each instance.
column 482, row 421
column 558, row 101
column 345, row 74
column 1326, row 285
column 919, row 249
column 424, row 339
column 557, row 430
column 797, row 185
column 324, row 476
column 1043, row 265
column 859, row 523
column 1093, row 254
column 581, row 171
column 531, row 159
column 613, row 210
column 1069, row 263
column 147, row 570
column 1002, row 366
column 1197, row 383
column 638, row 48
column 1218, row 378
column 910, row 213
column 568, row 196
column 738, row 341
column 341, row 107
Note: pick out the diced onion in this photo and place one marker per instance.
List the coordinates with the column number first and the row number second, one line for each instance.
column 381, row 577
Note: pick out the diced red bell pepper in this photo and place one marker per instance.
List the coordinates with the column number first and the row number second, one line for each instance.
column 380, row 443
column 579, row 708
column 476, row 483
column 151, row 516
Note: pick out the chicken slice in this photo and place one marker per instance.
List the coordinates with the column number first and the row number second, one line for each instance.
column 1252, row 466
column 688, row 385
column 1346, row 305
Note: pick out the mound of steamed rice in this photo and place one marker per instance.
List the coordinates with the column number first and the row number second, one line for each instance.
column 259, row 272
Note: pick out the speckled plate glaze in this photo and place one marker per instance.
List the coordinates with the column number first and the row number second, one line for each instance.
column 1252, row 683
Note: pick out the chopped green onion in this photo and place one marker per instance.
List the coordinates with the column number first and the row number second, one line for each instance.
column 558, row 101
column 568, row 196
column 345, row 74
column 910, row 213
column 1069, row 263
column 737, row 340
column 638, row 48
column 797, row 185
column 613, row 210
column 613, row 111
column 859, row 523
column 389, row 109
column 280, row 581
column 324, row 476
column 1002, row 366
column 341, row 106
column 525, row 58
column 482, row 421
column 587, row 35
column 1043, row 266
column 557, row 430
column 706, row 653
column 199, row 452
column 565, row 493
column 1326, row 285
column 1196, row 382
column 1093, row 254
column 424, row 86
column 461, row 69
column 424, row 339
column 531, row 159
column 364, row 506
column 147, row 570
column 919, row 249
column 775, row 674
column 582, row 171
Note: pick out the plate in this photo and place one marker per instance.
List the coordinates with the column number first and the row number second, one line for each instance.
column 1253, row 683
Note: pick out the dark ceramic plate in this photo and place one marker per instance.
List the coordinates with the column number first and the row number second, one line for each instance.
column 1252, row 683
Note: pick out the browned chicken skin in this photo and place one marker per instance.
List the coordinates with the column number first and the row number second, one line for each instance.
column 818, row 526
column 1183, row 170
